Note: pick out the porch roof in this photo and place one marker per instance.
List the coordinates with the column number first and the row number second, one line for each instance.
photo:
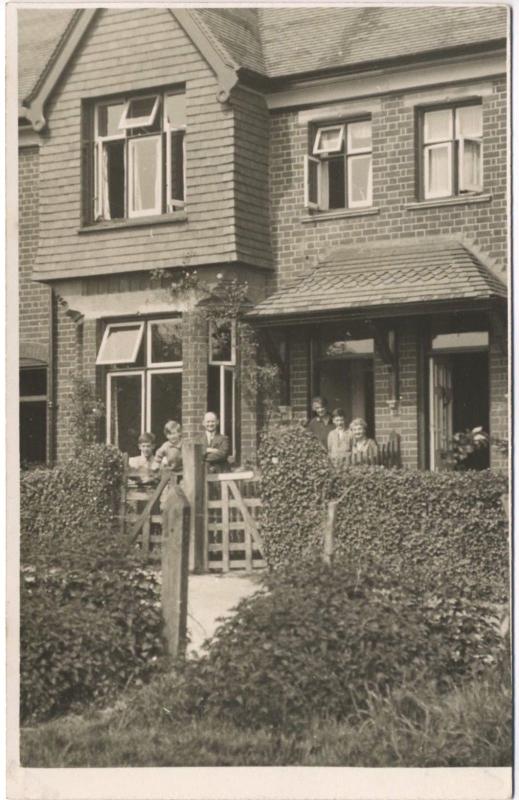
column 394, row 274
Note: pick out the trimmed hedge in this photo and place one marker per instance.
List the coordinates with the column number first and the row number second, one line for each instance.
column 296, row 480
column 322, row 638
column 83, row 492
column 91, row 619
column 452, row 523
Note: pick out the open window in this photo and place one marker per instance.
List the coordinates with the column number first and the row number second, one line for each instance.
column 452, row 151
column 338, row 169
column 121, row 343
column 135, row 165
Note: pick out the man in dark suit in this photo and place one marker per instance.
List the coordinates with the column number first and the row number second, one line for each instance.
column 216, row 445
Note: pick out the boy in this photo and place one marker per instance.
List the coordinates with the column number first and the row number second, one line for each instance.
column 144, row 466
column 169, row 454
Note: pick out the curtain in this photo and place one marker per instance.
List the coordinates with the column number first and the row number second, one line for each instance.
column 105, row 186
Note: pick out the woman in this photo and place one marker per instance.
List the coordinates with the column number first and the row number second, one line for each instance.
column 363, row 450
column 339, row 440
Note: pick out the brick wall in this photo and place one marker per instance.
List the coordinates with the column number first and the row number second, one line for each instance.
column 499, row 397
column 194, row 375
column 297, row 245
column 33, row 297
column 68, row 360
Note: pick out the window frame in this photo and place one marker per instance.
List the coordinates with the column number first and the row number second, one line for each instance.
column 321, row 158
column 109, row 327
column 456, row 149
column 93, row 147
column 160, row 364
column 217, row 362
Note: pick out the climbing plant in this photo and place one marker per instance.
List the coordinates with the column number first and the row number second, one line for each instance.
column 86, row 412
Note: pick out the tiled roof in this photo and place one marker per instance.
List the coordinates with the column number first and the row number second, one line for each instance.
column 39, row 33
column 386, row 275
column 309, row 39
column 277, row 42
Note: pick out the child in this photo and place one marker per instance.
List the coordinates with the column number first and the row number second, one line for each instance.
column 339, row 440
column 169, row 454
column 144, row 466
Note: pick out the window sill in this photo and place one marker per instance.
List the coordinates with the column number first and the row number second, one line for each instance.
column 320, row 216
column 450, row 201
column 138, row 222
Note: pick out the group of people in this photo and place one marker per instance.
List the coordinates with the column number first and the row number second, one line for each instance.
column 343, row 444
column 215, row 450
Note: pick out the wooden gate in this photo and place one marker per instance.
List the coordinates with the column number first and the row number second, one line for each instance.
column 232, row 522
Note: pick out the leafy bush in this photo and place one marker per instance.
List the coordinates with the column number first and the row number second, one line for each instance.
column 90, row 613
column 296, row 478
column 449, row 523
column 82, row 493
column 322, row 638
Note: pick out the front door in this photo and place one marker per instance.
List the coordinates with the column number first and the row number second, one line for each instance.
column 348, row 384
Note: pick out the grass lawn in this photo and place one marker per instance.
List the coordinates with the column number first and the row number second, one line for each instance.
column 470, row 726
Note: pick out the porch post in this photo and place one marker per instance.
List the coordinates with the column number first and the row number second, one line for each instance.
column 194, row 484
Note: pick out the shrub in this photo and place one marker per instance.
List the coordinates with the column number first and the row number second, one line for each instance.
column 90, row 612
column 63, row 501
column 296, row 479
column 321, row 639
column 449, row 523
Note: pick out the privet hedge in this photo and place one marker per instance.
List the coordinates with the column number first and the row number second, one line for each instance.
column 296, row 480
column 322, row 638
column 83, row 492
column 90, row 612
column 448, row 522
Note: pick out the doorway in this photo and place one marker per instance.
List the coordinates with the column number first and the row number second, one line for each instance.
column 459, row 401
column 348, row 384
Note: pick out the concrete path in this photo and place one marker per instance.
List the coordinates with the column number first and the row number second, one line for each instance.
column 213, row 596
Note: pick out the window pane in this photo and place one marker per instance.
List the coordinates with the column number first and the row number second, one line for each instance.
column 360, row 179
column 145, row 175
column 228, row 428
column 469, row 122
column 329, row 140
column 177, row 165
column 140, row 107
column 33, row 382
column 468, row 340
column 33, row 432
column 165, row 401
column 312, row 167
column 213, row 390
column 437, row 165
column 221, row 343
column 125, row 412
column 342, row 348
column 175, row 109
column 336, row 188
column 438, row 125
column 166, row 341
column 359, row 135
column 119, row 345
column 108, row 118
column 470, row 171
column 113, row 180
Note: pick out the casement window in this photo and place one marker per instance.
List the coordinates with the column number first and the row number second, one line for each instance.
column 143, row 362
column 33, row 415
column 221, row 378
column 134, row 156
column 338, row 168
column 452, row 151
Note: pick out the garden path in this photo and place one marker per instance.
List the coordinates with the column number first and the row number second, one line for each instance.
column 211, row 597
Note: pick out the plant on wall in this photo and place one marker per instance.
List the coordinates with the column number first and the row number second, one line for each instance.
column 86, row 412
column 223, row 306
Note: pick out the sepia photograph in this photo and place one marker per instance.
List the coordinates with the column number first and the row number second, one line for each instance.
column 258, row 317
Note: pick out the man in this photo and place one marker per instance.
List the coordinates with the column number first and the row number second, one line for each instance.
column 216, row 445
column 321, row 424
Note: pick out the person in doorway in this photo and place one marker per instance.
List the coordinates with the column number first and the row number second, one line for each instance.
column 339, row 440
column 363, row 449
column 169, row 454
column 216, row 445
column 321, row 423
column 143, row 467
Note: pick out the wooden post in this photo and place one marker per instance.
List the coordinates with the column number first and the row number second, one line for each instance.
column 329, row 528
column 194, row 484
column 175, row 569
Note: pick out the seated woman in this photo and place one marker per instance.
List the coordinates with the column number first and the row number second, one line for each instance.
column 363, row 450
column 339, row 440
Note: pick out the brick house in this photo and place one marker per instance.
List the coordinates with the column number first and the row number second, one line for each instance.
column 350, row 164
